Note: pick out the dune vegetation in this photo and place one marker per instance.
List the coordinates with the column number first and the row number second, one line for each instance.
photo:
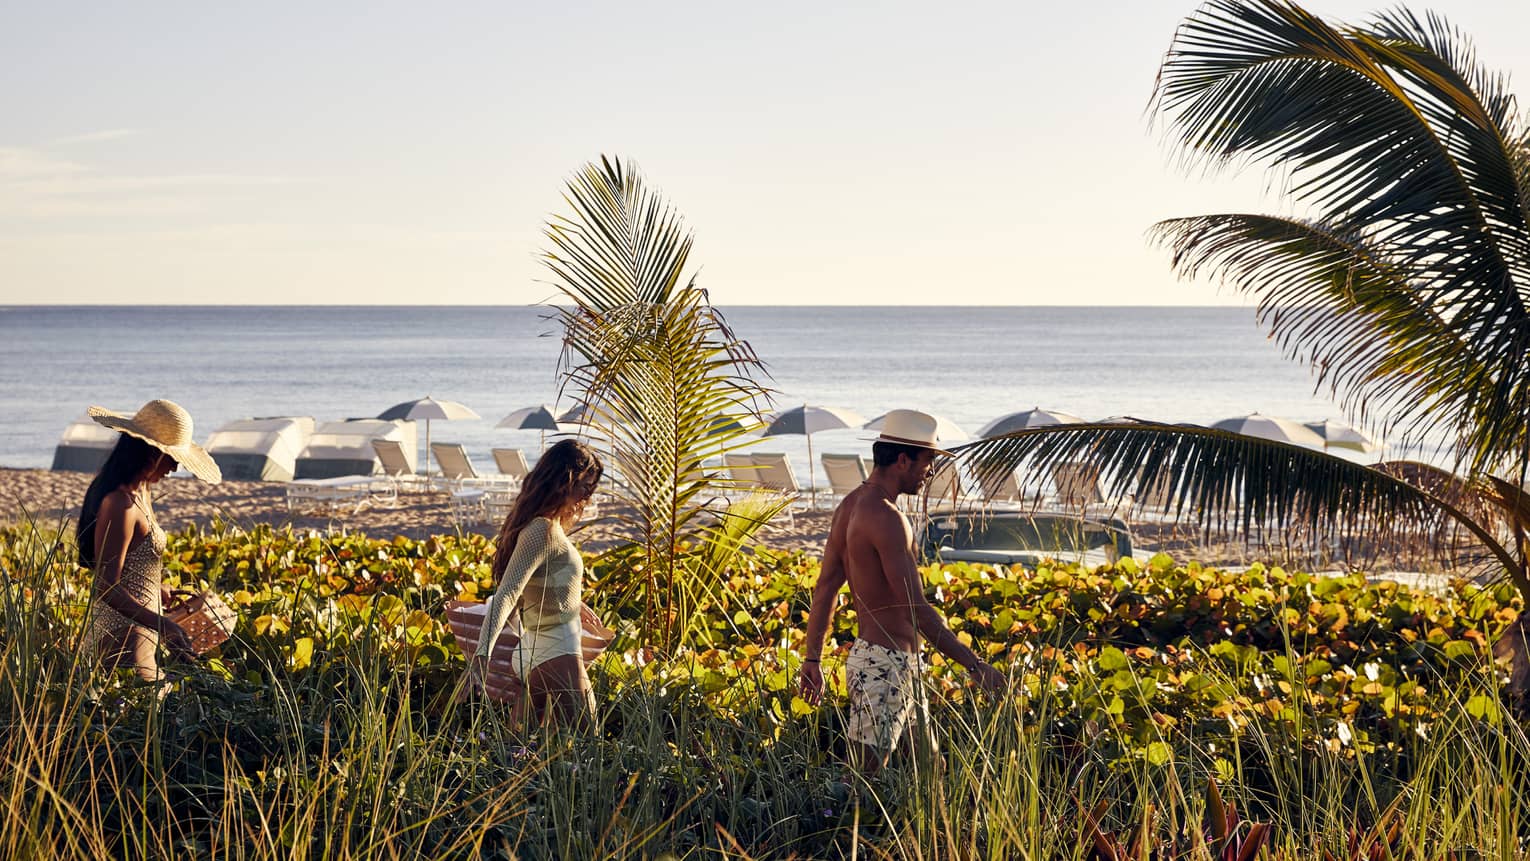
column 1159, row 709
column 1170, row 710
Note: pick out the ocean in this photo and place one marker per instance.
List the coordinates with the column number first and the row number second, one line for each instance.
column 967, row 364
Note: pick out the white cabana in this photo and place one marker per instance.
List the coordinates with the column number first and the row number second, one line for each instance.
column 262, row 449
column 345, row 447
column 84, row 446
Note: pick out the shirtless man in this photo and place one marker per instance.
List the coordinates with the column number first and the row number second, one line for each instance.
column 871, row 546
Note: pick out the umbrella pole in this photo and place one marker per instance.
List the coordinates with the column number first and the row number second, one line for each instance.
column 427, row 446
column 812, row 482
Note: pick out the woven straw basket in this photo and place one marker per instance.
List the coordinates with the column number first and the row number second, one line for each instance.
column 466, row 621
column 206, row 619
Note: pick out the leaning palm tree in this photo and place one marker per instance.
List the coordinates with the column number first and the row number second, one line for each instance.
column 1404, row 282
column 666, row 387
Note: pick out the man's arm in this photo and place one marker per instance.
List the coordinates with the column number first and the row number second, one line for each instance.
column 890, row 536
column 831, row 576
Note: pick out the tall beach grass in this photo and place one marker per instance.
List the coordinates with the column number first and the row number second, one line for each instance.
column 362, row 752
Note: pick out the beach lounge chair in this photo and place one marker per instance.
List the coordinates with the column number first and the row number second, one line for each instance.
column 1153, row 500
column 845, row 473
column 774, row 474
column 743, row 476
column 1078, row 489
column 1003, row 486
column 457, row 469
column 395, row 465
column 353, row 492
column 511, row 462
column 944, row 489
column 741, row 469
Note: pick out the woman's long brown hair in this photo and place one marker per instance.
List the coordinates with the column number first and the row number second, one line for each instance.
column 565, row 474
column 129, row 460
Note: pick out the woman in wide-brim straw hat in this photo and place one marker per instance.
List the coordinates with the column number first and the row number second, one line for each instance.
column 122, row 543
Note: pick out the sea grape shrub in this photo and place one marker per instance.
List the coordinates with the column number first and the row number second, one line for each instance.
column 1157, row 653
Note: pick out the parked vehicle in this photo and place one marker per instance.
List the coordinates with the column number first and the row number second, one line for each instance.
column 1022, row 537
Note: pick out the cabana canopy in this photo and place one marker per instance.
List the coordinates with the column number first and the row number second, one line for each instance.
column 84, row 446
column 262, row 449
column 345, row 447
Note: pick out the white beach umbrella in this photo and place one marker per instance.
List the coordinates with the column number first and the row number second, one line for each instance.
column 577, row 415
column 945, row 429
column 584, row 414
column 808, row 420
column 428, row 409
column 1036, row 417
column 1271, row 428
column 1340, row 435
column 538, row 418
column 583, row 418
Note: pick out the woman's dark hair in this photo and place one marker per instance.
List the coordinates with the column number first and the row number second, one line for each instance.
column 129, row 459
column 566, row 473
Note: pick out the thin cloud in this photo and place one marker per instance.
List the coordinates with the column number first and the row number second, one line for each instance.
column 96, row 184
column 34, row 183
column 22, row 165
column 97, row 137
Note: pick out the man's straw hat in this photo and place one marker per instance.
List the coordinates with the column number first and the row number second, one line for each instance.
column 910, row 427
column 167, row 426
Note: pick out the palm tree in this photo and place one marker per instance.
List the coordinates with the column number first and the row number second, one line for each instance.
column 1404, row 283
column 666, row 385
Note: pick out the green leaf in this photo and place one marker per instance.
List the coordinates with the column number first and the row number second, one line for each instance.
column 1459, row 649
column 302, row 653
column 1112, row 659
column 1485, row 708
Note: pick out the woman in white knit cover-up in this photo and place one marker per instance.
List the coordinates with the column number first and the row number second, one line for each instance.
column 541, row 576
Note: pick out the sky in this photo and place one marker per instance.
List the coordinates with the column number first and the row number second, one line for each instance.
column 407, row 153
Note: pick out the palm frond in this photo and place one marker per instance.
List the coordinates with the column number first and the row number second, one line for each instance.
column 1334, row 302
column 1412, row 156
column 1268, row 80
column 668, row 395
column 667, row 385
column 1242, row 485
column 1475, row 116
column 624, row 245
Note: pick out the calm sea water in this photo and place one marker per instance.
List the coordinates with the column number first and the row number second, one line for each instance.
column 968, row 364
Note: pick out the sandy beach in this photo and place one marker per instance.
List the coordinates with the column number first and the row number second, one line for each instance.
column 48, row 497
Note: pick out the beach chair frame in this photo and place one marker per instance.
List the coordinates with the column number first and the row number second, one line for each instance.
column 337, row 495
column 457, row 469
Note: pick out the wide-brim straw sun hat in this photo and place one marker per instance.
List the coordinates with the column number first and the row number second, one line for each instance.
column 912, row 428
column 167, row 426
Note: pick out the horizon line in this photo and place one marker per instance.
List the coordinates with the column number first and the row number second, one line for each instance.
column 6, row 306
